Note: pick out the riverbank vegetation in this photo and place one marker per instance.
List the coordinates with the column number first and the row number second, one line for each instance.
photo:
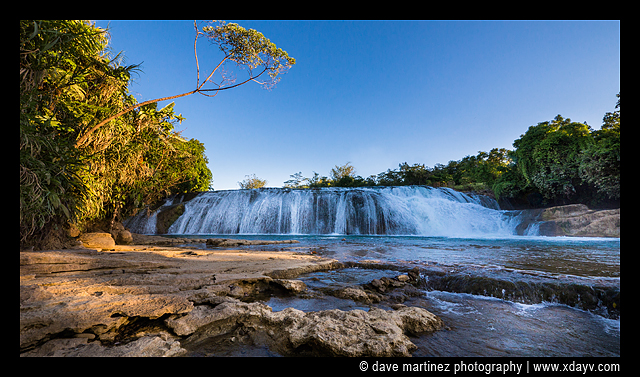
column 553, row 163
column 68, row 83
column 89, row 152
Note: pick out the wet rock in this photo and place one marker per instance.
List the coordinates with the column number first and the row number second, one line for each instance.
column 226, row 242
column 378, row 285
column 414, row 274
column 572, row 220
column 167, row 216
column 293, row 286
column 291, row 331
column 358, row 294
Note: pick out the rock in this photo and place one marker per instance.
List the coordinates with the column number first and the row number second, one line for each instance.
column 334, row 332
column 147, row 346
column 414, row 274
column 579, row 220
column 120, row 234
column 167, row 216
column 378, row 285
column 97, row 240
column 357, row 294
column 294, row 286
column 124, row 237
column 560, row 212
column 403, row 278
column 571, row 220
column 226, row 242
column 73, row 231
column 82, row 292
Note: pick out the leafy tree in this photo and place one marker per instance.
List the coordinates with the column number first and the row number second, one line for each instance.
column 297, row 181
column 416, row 174
column 345, row 171
column 548, row 156
column 67, row 81
column 600, row 161
column 252, row 182
column 319, row 181
column 248, row 49
column 389, row 178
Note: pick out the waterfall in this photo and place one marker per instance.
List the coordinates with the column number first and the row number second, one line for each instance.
column 397, row 210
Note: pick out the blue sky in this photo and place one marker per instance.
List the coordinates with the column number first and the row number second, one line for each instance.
column 378, row 93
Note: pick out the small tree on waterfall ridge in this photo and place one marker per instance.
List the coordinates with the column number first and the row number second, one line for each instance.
column 252, row 182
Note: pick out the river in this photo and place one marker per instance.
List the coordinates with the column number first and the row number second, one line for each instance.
column 501, row 289
column 510, row 296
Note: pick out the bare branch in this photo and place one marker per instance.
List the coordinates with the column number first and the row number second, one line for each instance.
column 245, row 47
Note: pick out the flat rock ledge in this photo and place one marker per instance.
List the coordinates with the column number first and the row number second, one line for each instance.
column 138, row 300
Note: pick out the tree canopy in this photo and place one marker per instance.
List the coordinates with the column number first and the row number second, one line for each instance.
column 247, row 48
column 554, row 162
column 252, row 182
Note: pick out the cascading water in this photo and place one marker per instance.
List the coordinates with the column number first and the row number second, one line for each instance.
column 506, row 292
column 402, row 210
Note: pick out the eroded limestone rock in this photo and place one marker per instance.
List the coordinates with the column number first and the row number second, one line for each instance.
column 330, row 332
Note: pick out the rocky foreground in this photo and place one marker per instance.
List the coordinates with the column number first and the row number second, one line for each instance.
column 149, row 300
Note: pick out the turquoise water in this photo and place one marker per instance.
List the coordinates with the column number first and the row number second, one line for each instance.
column 506, row 296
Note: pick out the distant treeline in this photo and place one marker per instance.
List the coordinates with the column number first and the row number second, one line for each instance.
column 555, row 162
column 68, row 84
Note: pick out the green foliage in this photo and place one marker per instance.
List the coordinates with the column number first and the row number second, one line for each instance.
column 251, row 49
column 67, row 85
column 600, row 161
column 342, row 172
column 297, row 181
column 252, row 182
column 554, row 162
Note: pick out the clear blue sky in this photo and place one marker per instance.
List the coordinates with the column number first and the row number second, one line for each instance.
column 378, row 93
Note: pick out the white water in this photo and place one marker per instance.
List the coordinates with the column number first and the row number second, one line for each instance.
column 403, row 210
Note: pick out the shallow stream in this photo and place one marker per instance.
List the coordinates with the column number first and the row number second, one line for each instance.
column 504, row 296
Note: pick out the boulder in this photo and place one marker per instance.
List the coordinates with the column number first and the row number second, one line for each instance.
column 124, row 237
column 571, row 220
column 334, row 332
column 357, row 294
column 579, row 220
column 97, row 240
column 293, row 286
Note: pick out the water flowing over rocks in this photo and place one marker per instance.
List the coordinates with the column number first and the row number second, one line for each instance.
column 367, row 210
column 394, row 210
column 162, row 301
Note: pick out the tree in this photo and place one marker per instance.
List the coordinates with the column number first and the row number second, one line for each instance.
column 417, row 174
column 252, row 182
column 297, row 181
column 600, row 161
column 248, row 49
column 319, row 181
column 548, row 156
column 67, row 80
column 339, row 172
